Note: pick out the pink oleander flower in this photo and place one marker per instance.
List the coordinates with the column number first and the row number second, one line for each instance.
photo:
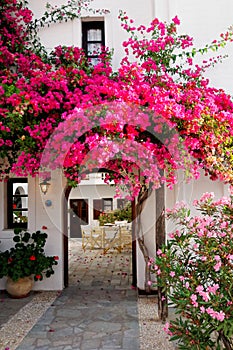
column 202, row 309
column 220, row 316
column 194, row 300
column 166, row 328
column 205, row 296
column 199, row 289
column 217, row 266
column 213, row 289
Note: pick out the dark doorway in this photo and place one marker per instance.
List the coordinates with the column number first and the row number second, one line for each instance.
column 78, row 216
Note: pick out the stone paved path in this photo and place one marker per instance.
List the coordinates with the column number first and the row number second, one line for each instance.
column 9, row 307
column 98, row 311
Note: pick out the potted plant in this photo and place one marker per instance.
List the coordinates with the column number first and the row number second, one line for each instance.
column 25, row 262
column 121, row 214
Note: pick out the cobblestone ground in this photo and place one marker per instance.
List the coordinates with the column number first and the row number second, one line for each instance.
column 97, row 311
column 92, row 269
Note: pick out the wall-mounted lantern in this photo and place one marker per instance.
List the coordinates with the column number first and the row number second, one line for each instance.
column 44, row 186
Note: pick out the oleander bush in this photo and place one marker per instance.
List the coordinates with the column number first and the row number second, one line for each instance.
column 195, row 269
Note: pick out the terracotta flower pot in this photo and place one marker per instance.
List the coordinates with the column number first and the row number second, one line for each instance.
column 20, row 288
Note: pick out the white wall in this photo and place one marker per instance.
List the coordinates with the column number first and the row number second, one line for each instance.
column 91, row 192
column 187, row 192
column 39, row 215
column 204, row 21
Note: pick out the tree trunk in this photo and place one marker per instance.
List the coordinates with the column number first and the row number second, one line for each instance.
column 160, row 240
column 227, row 343
column 140, row 237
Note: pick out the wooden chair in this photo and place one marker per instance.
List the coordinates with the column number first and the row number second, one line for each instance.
column 112, row 239
column 92, row 237
column 86, row 237
column 97, row 235
column 121, row 223
column 126, row 237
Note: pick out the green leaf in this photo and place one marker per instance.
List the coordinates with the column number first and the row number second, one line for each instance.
column 17, row 231
column 16, row 239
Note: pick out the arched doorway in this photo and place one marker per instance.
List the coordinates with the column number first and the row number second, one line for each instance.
column 66, row 223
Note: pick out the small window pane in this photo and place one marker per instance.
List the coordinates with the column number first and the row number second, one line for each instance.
column 17, row 203
column 107, row 205
column 94, row 35
column 97, row 208
column 20, row 202
column 94, row 49
column 94, row 61
column 20, row 188
column 20, row 217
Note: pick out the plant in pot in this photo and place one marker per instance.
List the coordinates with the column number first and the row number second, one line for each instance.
column 124, row 213
column 26, row 262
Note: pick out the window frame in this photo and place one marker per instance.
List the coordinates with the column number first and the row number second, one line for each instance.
column 10, row 202
column 121, row 203
column 105, row 205
column 88, row 25
column 99, row 206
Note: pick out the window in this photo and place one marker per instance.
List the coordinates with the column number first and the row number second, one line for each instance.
column 101, row 205
column 97, row 208
column 107, row 204
column 17, row 203
column 93, row 39
column 121, row 203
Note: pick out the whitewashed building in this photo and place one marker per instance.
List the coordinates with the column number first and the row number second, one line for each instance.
column 203, row 20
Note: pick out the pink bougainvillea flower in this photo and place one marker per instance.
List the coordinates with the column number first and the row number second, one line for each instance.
column 176, row 20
